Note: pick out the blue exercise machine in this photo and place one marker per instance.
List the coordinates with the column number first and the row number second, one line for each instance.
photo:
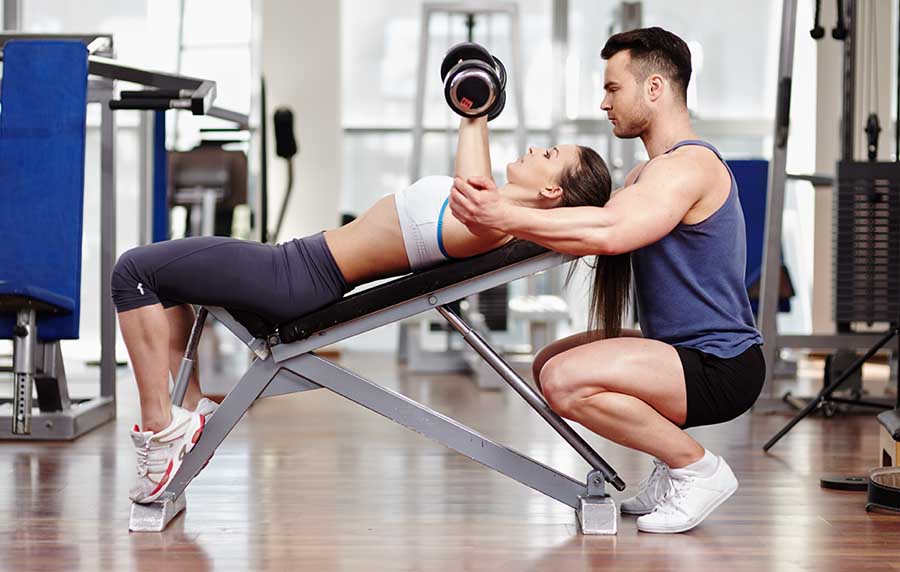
column 46, row 84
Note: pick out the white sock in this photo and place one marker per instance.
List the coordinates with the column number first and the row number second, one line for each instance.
column 705, row 467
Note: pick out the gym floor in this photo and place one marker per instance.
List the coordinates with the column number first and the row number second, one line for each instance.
column 311, row 481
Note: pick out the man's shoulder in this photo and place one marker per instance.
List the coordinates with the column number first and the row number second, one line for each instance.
column 691, row 164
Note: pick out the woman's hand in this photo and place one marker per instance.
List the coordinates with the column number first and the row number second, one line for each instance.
column 477, row 203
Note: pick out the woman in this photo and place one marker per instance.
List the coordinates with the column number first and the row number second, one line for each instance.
column 153, row 286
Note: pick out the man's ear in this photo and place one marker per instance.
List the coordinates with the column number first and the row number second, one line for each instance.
column 655, row 85
column 552, row 193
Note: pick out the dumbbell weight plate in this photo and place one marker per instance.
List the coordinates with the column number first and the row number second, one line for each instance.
column 497, row 107
column 472, row 88
column 464, row 51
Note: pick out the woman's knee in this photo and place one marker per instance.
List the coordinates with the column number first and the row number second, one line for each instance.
column 128, row 280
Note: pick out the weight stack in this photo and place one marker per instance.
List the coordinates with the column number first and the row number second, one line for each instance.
column 866, row 240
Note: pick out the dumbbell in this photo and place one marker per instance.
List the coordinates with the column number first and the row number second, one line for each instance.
column 474, row 81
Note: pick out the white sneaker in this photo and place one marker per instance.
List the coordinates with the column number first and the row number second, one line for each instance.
column 206, row 407
column 690, row 500
column 651, row 491
column 159, row 455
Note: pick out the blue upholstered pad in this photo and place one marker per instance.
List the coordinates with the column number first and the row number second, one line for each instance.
column 43, row 98
column 752, row 176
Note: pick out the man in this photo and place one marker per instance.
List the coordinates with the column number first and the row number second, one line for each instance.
column 697, row 360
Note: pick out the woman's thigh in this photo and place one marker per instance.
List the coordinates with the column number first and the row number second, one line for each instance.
column 214, row 271
column 649, row 370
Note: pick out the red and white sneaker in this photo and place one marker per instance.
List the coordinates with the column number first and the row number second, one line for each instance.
column 206, row 407
column 159, row 455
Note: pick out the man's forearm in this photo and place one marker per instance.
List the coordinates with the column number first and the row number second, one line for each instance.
column 473, row 156
column 579, row 231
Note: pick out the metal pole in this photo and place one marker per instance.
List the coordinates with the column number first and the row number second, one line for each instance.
column 187, row 362
column 12, row 15
column 771, row 270
column 415, row 166
column 848, row 121
column 532, row 397
column 107, row 246
column 24, row 340
column 145, row 177
column 518, row 87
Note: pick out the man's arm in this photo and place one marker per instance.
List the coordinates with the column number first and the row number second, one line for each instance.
column 473, row 157
column 637, row 216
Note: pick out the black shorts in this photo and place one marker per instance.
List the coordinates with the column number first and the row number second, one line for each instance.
column 720, row 389
column 275, row 282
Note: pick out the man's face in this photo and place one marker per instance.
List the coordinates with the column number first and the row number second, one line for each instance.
column 624, row 103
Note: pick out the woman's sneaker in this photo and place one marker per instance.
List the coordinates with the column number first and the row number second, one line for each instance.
column 691, row 499
column 651, row 491
column 206, row 407
column 159, row 455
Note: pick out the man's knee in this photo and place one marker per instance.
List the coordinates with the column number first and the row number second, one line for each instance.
column 556, row 383
column 538, row 365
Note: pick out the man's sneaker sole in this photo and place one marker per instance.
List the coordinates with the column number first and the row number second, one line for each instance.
column 724, row 496
column 624, row 510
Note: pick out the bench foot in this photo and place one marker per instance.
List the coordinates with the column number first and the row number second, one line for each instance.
column 155, row 516
column 597, row 515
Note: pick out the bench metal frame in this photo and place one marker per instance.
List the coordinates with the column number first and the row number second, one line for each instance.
column 283, row 368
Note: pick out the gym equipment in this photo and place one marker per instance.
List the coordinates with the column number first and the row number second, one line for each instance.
column 286, row 363
column 884, row 489
column 890, row 438
column 770, row 285
column 210, row 181
column 866, row 239
column 474, row 81
column 285, row 147
column 817, row 32
column 41, row 163
column 42, row 139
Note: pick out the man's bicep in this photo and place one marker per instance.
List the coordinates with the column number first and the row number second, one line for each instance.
column 648, row 210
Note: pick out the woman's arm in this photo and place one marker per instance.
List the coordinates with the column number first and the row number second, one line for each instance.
column 473, row 157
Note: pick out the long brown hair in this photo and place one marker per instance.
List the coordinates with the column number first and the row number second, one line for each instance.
column 587, row 183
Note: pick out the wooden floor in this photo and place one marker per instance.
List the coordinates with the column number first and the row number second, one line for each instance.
column 313, row 482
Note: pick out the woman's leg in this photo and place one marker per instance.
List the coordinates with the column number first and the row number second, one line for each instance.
column 181, row 320
column 146, row 334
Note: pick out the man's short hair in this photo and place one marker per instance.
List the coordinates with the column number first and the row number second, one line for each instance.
column 654, row 50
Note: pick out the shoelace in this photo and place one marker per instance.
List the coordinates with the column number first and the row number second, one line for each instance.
column 147, row 461
column 674, row 499
column 659, row 473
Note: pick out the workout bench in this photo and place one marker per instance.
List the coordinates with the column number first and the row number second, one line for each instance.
column 285, row 363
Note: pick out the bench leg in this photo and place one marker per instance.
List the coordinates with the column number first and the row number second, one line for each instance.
column 596, row 512
column 155, row 516
column 24, row 342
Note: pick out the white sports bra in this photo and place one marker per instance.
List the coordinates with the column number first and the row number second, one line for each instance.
column 421, row 207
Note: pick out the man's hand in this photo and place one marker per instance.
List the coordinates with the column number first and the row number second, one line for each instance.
column 477, row 203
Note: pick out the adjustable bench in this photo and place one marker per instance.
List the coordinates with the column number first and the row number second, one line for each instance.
column 285, row 363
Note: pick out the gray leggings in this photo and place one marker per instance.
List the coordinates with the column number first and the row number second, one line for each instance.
column 275, row 282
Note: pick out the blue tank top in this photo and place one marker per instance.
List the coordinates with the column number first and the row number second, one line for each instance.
column 690, row 284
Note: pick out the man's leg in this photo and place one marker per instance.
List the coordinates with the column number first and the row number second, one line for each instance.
column 632, row 391
column 629, row 390
column 568, row 343
column 146, row 334
column 181, row 320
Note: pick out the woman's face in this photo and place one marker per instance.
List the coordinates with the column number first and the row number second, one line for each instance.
column 542, row 168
